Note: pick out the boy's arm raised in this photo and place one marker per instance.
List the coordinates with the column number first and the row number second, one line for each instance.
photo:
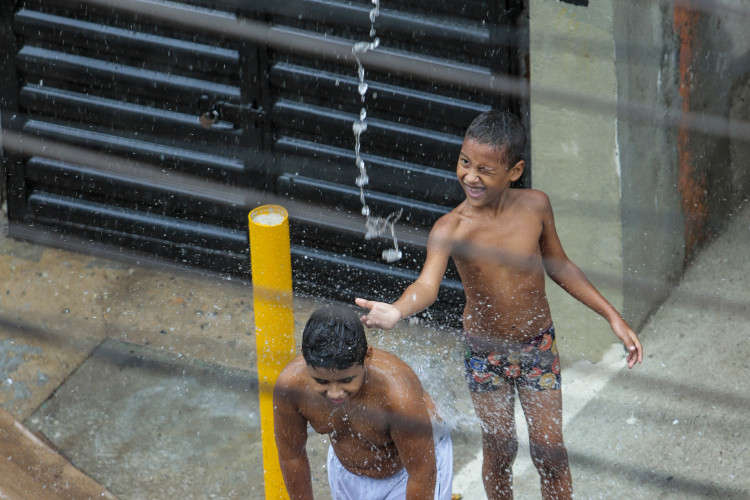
column 570, row 277
column 420, row 294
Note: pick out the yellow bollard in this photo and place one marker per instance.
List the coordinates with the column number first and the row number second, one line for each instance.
column 271, row 267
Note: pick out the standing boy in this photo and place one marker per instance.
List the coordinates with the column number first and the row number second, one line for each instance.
column 386, row 440
column 502, row 241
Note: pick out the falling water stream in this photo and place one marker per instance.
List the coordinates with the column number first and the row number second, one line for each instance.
column 374, row 226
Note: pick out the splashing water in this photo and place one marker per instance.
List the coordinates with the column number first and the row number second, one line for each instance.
column 374, row 226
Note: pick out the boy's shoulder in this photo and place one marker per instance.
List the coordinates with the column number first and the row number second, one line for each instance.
column 391, row 372
column 291, row 374
column 532, row 198
column 448, row 222
column 389, row 363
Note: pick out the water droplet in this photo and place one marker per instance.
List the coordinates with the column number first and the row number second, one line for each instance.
column 358, row 127
column 391, row 255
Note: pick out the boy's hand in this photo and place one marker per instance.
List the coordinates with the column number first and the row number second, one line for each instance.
column 630, row 339
column 381, row 315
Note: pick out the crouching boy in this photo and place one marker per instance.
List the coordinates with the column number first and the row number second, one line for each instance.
column 387, row 441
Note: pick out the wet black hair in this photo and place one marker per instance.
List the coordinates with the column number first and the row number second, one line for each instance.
column 334, row 338
column 502, row 130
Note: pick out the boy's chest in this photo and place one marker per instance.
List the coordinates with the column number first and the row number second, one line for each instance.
column 519, row 233
column 341, row 425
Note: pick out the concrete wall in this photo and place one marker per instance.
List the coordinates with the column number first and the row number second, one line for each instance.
column 653, row 222
column 575, row 158
column 636, row 194
column 680, row 186
column 719, row 86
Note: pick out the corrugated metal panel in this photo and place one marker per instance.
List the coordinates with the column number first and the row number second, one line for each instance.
column 132, row 87
column 112, row 83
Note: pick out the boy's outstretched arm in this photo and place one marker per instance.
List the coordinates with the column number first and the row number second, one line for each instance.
column 420, row 294
column 416, row 297
column 570, row 277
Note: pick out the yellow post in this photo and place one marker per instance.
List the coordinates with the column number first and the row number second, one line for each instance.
column 271, row 264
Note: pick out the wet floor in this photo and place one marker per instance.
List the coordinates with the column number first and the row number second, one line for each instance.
column 154, row 426
column 145, row 378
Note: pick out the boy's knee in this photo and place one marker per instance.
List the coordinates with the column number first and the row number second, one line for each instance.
column 502, row 449
column 550, row 459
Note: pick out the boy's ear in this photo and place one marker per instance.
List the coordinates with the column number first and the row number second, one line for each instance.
column 516, row 170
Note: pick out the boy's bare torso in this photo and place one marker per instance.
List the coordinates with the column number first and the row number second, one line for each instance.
column 360, row 429
column 498, row 256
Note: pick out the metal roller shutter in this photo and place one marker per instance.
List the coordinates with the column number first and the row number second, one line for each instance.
column 131, row 87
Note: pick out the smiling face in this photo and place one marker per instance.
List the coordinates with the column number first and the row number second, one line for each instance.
column 337, row 385
column 483, row 172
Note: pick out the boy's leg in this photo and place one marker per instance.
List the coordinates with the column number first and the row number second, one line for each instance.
column 543, row 411
column 499, row 441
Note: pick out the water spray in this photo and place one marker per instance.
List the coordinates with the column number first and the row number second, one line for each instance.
column 374, row 226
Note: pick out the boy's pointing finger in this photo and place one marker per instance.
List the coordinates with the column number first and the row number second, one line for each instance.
column 363, row 303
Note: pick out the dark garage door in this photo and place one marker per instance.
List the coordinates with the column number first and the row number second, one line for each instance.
column 111, row 155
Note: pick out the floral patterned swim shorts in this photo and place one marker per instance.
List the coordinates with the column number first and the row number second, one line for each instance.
column 535, row 365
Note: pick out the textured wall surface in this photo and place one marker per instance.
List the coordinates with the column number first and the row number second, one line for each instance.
column 575, row 157
column 630, row 138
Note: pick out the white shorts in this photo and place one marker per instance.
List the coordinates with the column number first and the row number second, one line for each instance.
column 348, row 486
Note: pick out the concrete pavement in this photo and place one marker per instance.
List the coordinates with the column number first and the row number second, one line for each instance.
column 144, row 379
